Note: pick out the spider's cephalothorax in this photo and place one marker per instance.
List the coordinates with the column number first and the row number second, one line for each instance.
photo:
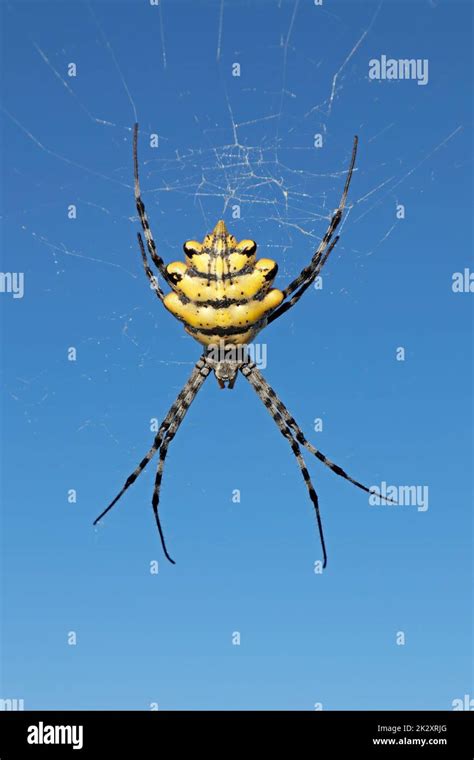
column 222, row 293
column 225, row 371
column 225, row 360
column 224, row 296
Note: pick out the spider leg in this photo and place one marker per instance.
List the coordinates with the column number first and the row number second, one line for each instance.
column 156, row 492
column 309, row 273
column 266, row 392
column 247, row 370
column 286, row 305
column 153, row 280
column 170, row 434
column 179, row 407
column 157, row 260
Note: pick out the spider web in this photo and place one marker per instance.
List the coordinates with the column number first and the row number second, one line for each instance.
column 264, row 165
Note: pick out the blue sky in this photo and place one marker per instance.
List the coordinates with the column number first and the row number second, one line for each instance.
column 225, row 142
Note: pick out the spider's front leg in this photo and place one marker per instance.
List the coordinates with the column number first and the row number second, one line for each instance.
column 309, row 273
column 248, row 370
column 290, row 429
column 275, row 405
column 165, row 434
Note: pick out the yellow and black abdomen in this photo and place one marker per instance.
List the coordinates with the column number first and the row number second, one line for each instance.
column 223, row 293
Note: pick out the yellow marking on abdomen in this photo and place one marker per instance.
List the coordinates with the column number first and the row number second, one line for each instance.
column 241, row 286
column 242, row 315
column 222, row 293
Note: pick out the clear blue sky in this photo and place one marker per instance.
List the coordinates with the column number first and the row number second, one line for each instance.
column 241, row 567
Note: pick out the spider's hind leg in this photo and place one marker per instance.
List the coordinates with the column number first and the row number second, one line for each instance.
column 307, row 276
column 142, row 215
column 153, row 280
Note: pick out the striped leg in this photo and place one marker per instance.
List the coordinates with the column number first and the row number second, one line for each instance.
column 183, row 400
column 312, row 274
column 153, row 280
column 309, row 273
column 156, row 492
column 170, row 434
column 266, row 392
column 246, row 370
column 157, row 260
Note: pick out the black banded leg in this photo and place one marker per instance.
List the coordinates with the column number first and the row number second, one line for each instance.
column 309, row 273
column 157, row 260
column 170, row 434
column 333, row 224
column 265, row 391
column 284, row 430
column 189, row 390
column 156, row 495
column 148, row 272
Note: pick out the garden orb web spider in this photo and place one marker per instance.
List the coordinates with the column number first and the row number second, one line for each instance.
column 223, row 294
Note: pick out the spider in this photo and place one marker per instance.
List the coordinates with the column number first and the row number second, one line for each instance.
column 223, row 294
